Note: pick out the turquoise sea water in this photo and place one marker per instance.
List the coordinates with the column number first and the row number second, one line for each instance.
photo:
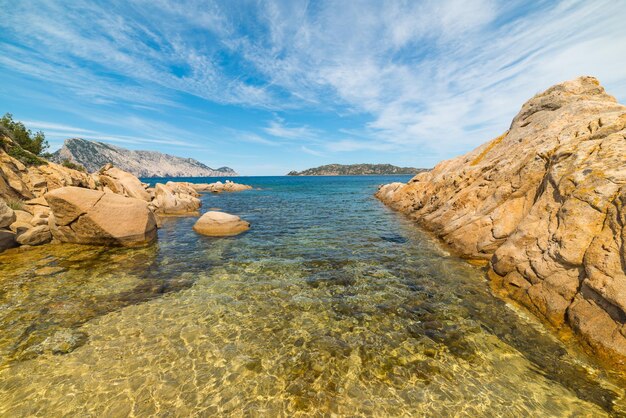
column 331, row 305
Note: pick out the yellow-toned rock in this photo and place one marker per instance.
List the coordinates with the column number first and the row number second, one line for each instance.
column 86, row 216
column 175, row 199
column 546, row 203
column 218, row 187
column 123, row 183
column 219, row 224
column 7, row 215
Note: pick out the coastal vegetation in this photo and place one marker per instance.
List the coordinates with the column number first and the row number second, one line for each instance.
column 35, row 143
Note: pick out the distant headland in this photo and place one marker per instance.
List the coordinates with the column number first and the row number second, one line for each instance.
column 92, row 155
column 357, row 170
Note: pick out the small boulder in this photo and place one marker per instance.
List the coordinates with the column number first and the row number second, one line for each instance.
column 7, row 240
column 7, row 215
column 37, row 235
column 220, row 224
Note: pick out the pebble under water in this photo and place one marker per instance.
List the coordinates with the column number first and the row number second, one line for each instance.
column 331, row 305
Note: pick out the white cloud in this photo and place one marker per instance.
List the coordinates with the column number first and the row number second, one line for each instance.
column 432, row 76
column 311, row 152
column 279, row 129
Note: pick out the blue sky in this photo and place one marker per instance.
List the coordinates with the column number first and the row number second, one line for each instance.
column 266, row 87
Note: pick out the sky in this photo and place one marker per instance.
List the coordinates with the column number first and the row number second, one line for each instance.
column 266, row 87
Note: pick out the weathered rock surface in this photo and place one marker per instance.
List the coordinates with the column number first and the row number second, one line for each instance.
column 86, row 216
column 36, row 235
column 175, row 199
column 122, row 183
column 218, row 187
column 20, row 182
column 546, row 203
column 7, row 215
column 219, row 224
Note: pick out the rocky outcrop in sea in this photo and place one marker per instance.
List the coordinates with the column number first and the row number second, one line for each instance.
column 357, row 170
column 545, row 204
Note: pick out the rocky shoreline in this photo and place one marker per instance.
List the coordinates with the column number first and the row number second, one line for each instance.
column 47, row 203
column 545, row 205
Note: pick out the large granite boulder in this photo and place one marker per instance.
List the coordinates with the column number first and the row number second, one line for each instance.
column 545, row 203
column 220, row 224
column 122, row 182
column 86, row 216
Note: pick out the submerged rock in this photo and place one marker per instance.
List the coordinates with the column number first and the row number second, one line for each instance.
column 545, row 202
column 220, row 224
column 85, row 216
column 61, row 342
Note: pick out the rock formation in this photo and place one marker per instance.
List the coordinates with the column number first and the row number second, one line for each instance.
column 18, row 181
column 220, row 224
column 175, row 198
column 93, row 155
column 219, row 187
column 545, row 203
column 84, row 216
column 120, row 182
column 33, row 223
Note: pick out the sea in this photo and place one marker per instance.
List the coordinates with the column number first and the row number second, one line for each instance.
column 331, row 305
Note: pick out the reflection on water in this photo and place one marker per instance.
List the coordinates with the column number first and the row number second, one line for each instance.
column 330, row 304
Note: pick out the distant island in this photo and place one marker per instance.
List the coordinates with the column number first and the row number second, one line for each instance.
column 356, row 170
column 92, row 155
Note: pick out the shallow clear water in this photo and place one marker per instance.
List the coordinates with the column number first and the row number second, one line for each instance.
column 331, row 305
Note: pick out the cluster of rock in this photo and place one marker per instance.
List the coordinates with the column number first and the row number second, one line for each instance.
column 219, row 187
column 545, row 203
column 39, row 204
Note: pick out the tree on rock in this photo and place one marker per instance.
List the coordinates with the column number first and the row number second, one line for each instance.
column 35, row 143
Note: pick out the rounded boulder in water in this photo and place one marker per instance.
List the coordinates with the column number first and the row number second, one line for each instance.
column 220, row 224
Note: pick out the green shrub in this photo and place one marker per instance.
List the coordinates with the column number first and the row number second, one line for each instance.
column 25, row 157
column 35, row 143
column 15, row 204
column 67, row 163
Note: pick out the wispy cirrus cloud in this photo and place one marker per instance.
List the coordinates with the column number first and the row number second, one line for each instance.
column 429, row 77
column 279, row 129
